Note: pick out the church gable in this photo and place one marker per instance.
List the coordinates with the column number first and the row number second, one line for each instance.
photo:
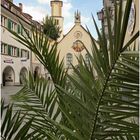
column 76, row 34
column 74, row 43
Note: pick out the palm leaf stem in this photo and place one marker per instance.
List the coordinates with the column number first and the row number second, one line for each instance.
column 100, row 99
column 102, row 94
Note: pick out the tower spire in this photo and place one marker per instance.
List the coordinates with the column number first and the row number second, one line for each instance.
column 77, row 17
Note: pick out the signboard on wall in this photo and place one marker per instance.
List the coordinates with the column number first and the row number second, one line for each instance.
column 24, row 59
column 8, row 61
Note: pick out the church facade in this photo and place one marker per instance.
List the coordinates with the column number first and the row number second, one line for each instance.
column 74, row 42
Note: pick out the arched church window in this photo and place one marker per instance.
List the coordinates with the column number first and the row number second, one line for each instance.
column 78, row 46
column 87, row 61
column 69, row 59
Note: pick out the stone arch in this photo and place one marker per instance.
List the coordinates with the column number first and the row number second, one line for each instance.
column 23, row 74
column 8, row 76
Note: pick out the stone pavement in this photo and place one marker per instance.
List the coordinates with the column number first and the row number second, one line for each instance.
column 6, row 91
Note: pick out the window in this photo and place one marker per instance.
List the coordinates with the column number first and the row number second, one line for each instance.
column 18, row 29
column 4, row 48
column 3, row 21
column 87, row 61
column 69, row 60
column 14, row 51
column 11, row 25
column 9, row 50
column 18, row 52
column 6, row 4
column 57, row 21
column 24, row 53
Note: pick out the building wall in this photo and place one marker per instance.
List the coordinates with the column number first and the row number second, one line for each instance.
column 10, row 11
column 129, row 35
column 110, row 4
column 14, row 56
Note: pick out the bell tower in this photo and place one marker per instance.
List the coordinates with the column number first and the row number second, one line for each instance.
column 56, row 13
column 77, row 17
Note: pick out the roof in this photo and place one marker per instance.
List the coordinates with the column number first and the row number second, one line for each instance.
column 71, row 30
column 6, row 4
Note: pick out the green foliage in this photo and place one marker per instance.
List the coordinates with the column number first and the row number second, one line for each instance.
column 51, row 28
column 13, row 125
column 99, row 101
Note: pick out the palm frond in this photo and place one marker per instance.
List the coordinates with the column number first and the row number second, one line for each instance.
column 12, row 123
column 45, row 51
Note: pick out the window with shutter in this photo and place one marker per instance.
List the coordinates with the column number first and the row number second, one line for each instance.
column 9, row 50
column 28, row 55
column 17, row 52
column 9, row 24
column 21, row 53
column 21, row 31
column 18, row 29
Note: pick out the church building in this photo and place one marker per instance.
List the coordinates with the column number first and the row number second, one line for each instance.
column 74, row 42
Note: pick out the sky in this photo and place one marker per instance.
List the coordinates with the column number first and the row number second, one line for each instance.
column 38, row 9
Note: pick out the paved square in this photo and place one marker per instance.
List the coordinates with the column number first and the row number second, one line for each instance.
column 7, row 91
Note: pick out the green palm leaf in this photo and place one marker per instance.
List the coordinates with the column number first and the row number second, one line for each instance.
column 113, row 94
column 13, row 125
column 99, row 100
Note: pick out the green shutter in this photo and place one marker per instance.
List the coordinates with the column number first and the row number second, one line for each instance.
column 9, row 24
column 9, row 50
column 21, row 53
column 17, row 52
column 21, row 31
column 2, row 47
column 18, row 29
column 28, row 54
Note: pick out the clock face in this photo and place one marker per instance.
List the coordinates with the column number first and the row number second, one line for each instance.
column 132, row 18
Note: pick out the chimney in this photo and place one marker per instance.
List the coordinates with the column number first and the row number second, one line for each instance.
column 21, row 6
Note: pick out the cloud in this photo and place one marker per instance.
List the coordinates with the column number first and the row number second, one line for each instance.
column 37, row 12
column 44, row 1
column 85, row 20
column 67, row 6
column 47, row 1
column 68, row 26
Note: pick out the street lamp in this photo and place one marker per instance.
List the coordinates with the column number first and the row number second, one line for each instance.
column 100, row 15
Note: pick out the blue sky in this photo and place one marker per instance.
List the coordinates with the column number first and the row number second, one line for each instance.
column 39, row 8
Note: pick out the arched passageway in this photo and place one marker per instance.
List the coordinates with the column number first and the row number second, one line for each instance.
column 23, row 74
column 36, row 72
column 8, row 76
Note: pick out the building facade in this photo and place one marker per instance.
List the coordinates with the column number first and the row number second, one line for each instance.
column 73, row 44
column 133, row 23
column 16, row 59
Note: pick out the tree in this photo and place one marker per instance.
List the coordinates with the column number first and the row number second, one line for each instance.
column 91, row 106
column 51, row 28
